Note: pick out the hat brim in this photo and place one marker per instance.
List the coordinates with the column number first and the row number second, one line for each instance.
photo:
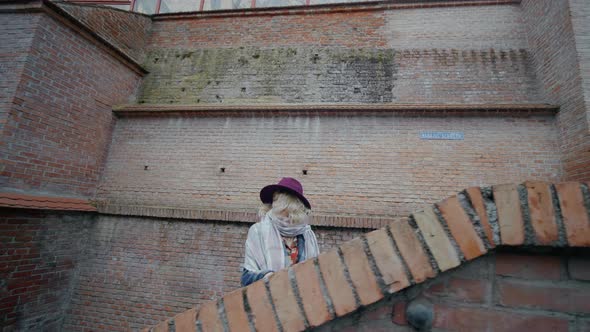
column 267, row 192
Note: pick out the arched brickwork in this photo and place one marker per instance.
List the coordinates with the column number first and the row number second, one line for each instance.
column 364, row 270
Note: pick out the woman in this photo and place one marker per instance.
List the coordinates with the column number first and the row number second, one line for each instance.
column 283, row 236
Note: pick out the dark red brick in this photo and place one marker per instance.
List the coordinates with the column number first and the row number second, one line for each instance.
column 566, row 299
column 529, row 266
column 481, row 319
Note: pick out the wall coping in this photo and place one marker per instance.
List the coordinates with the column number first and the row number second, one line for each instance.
column 54, row 11
column 365, row 270
column 206, row 110
column 361, row 222
column 22, row 201
column 329, row 8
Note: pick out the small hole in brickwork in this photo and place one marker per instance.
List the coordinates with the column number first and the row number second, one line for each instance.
column 357, row 90
column 182, row 89
column 222, row 169
column 304, row 172
column 145, row 168
column 243, row 89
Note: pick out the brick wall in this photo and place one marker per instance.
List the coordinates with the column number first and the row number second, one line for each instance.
column 505, row 292
column 39, row 259
column 367, row 166
column 125, row 30
column 557, row 57
column 464, row 54
column 438, row 255
column 58, row 129
column 580, row 20
column 335, row 75
column 16, row 35
column 139, row 271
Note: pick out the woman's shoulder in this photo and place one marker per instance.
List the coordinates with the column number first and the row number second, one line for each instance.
column 255, row 228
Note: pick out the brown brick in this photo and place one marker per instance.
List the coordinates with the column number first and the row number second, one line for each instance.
column 565, row 299
column 285, row 302
column 186, row 321
column 237, row 319
column 456, row 318
column 399, row 313
column 261, row 307
column 208, row 315
column 509, row 214
column 360, row 271
column 464, row 290
column 468, row 290
column 338, row 288
column 308, row 283
column 528, row 266
column 579, row 268
column 387, row 260
column 411, row 250
column 478, row 204
column 437, row 240
column 575, row 215
column 542, row 212
column 461, row 228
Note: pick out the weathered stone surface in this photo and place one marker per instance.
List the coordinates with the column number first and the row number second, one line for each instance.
column 255, row 75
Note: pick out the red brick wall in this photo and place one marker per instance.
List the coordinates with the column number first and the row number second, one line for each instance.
column 362, row 165
column 139, row 271
column 356, row 29
column 125, row 30
column 552, row 43
column 454, row 27
column 457, row 54
column 440, row 257
column 39, row 259
column 503, row 292
column 580, row 18
column 16, row 35
column 59, row 125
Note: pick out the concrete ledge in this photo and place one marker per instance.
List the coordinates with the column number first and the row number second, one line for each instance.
column 208, row 110
column 331, row 8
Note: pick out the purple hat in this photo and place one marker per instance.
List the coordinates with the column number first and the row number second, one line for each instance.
column 289, row 185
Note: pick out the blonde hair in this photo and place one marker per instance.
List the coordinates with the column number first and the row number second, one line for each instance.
column 286, row 201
